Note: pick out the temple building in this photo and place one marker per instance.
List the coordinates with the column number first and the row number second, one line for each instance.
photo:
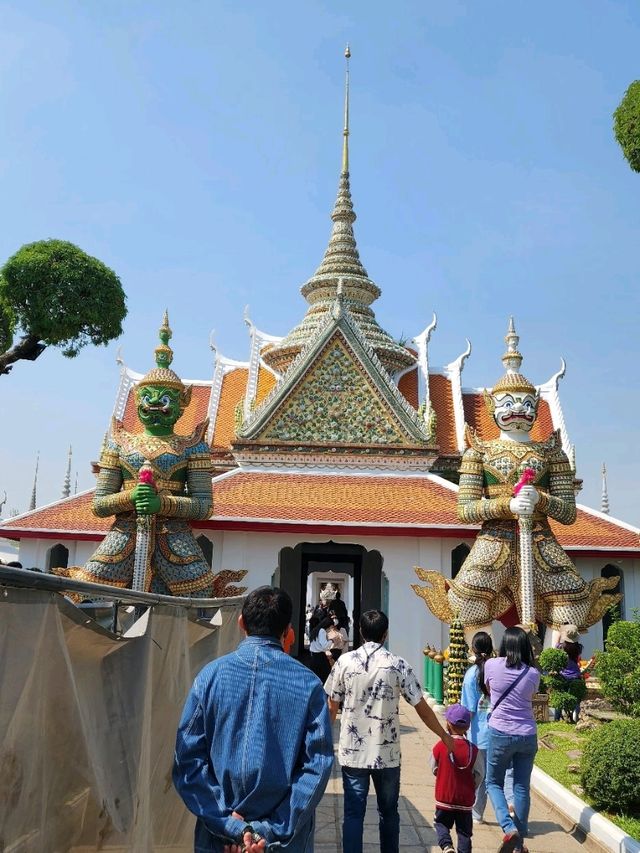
column 335, row 458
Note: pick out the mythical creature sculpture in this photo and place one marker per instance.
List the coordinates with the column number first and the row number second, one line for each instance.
column 164, row 480
column 490, row 581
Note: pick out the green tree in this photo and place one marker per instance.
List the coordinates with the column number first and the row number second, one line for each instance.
column 53, row 294
column 627, row 125
column 618, row 668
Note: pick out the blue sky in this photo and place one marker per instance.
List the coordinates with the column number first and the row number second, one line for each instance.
column 194, row 147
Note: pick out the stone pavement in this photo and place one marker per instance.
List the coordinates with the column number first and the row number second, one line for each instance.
column 416, row 808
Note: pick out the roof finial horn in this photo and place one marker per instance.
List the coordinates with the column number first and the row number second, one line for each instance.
column 345, row 132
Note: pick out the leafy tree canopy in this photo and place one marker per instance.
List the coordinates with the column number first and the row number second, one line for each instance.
column 627, row 125
column 57, row 295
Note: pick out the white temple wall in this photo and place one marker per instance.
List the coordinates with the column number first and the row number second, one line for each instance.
column 590, row 568
column 34, row 553
column 412, row 626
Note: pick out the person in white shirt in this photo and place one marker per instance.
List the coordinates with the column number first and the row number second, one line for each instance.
column 369, row 682
column 320, row 647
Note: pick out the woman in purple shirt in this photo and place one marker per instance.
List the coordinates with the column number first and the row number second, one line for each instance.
column 512, row 681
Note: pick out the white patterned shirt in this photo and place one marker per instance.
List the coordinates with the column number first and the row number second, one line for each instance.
column 370, row 681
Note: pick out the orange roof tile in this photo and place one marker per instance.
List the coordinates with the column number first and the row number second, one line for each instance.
column 266, row 382
column 412, row 503
column 478, row 417
column 347, row 499
column 71, row 514
column 408, row 386
column 234, row 386
column 194, row 414
column 442, row 401
column 592, row 531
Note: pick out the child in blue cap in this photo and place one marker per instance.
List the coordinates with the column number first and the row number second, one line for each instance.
column 458, row 774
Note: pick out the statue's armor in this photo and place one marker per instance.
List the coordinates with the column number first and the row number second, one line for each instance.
column 181, row 467
column 488, row 583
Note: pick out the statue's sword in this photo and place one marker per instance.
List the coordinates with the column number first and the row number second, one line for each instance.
column 145, row 530
column 525, row 547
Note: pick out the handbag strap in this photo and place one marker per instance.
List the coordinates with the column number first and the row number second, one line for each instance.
column 513, row 684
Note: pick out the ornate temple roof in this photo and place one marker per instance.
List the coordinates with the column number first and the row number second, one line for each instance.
column 362, row 504
column 376, row 402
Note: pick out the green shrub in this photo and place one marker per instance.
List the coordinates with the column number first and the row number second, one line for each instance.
column 618, row 668
column 562, row 700
column 553, row 660
column 577, row 687
column 610, row 766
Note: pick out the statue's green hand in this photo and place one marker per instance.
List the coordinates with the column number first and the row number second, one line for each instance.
column 145, row 499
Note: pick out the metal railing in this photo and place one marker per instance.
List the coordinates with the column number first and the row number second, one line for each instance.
column 52, row 583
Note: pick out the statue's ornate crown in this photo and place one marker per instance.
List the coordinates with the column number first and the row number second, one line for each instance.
column 161, row 374
column 513, row 380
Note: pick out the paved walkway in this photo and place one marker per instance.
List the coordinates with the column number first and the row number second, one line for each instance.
column 416, row 808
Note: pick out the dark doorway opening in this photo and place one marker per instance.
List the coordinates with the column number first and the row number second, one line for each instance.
column 363, row 567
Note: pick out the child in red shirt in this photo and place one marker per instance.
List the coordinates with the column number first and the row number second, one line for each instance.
column 457, row 776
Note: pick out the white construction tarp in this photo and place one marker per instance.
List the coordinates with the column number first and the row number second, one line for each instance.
column 88, row 724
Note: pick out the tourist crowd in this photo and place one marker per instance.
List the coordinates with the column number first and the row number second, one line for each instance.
column 254, row 748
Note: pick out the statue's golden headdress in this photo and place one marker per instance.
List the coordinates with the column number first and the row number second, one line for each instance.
column 512, row 381
column 161, row 374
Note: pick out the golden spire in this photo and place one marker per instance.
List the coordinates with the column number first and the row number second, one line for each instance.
column 341, row 261
column 345, row 132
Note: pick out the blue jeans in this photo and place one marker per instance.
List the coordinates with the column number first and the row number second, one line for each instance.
column 502, row 751
column 355, row 781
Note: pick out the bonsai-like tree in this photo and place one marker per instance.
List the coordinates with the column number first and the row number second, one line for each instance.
column 627, row 125
column 53, row 294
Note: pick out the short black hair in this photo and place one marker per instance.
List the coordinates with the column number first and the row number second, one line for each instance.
column 373, row 626
column 266, row 612
column 516, row 648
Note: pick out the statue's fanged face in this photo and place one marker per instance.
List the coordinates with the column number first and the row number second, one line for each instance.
column 514, row 412
column 158, row 406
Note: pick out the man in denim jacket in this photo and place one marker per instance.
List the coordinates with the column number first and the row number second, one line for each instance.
column 254, row 747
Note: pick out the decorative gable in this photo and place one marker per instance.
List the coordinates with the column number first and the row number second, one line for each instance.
column 336, row 403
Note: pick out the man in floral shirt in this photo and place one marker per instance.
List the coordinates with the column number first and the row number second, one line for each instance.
column 369, row 682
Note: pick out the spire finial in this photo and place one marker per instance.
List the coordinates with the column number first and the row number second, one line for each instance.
column 164, row 353
column 604, row 503
column 512, row 359
column 512, row 380
column 345, row 132
column 66, row 486
column 34, row 491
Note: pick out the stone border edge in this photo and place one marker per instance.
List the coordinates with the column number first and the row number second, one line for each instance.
column 599, row 827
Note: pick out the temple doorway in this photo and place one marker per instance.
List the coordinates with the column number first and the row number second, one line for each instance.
column 306, row 569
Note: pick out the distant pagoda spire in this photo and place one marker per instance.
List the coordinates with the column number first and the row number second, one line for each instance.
column 34, row 491
column 341, row 261
column 604, row 501
column 66, row 486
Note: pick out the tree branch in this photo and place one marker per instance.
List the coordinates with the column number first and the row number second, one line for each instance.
column 27, row 348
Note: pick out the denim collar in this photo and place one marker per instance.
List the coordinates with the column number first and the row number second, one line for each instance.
column 261, row 641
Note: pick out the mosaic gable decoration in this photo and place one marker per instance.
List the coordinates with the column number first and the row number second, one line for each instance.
column 337, row 393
